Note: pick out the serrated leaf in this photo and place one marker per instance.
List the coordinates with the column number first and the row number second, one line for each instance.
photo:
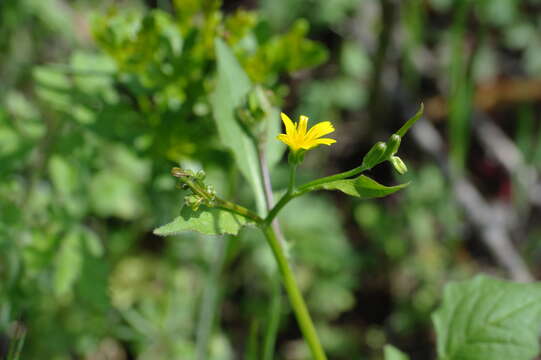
column 232, row 86
column 362, row 187
column 210, row 221
column 392, row 353
column 485, row 318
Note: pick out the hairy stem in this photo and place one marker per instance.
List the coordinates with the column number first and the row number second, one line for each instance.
column 295, row 297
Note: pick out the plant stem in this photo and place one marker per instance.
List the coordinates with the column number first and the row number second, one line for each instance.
column 237, row 209
column 346, row 174
column 292, row 175
column 279, row 205
column 309, row 186
column 295, row 297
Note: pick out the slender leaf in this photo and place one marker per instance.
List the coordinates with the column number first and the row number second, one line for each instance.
column 485, row 318
column 232, row 86
column 404, row 129
column 362, row 187
column 210, row 221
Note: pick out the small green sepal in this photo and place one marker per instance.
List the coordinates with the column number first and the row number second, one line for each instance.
column 296, row 157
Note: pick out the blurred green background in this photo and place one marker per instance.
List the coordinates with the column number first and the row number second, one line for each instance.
column 99, row 99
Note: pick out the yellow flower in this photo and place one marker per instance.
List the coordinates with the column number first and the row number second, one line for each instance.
column 296, row 136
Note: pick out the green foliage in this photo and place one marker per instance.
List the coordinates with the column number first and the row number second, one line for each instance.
column 206, row 221
column 97, row 104
column 392, row 353
column 232, row 87
column 486, row 318
column 362, row 187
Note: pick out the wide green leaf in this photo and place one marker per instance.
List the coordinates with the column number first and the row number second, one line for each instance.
column 485, row 318
column 210, row 221
column 392, row 353
column 362, row 187
column 231, row 89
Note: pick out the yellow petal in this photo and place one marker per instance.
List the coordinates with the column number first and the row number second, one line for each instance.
column 325, row 141
column 307, row 145
column 288, row 141
column 320, row 129
column 303, row 125
column 290, row 128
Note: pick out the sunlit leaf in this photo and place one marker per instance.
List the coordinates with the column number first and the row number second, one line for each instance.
column 362, row 187
column 210, row 221
column 392, row 353
column 68, row 263
column 485, row 318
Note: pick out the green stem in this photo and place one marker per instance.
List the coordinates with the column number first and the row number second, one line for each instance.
column 346, row 174
column 309, row 186
column 279, row 205
column 292, row 175
column 237, row 209
column 297, row 302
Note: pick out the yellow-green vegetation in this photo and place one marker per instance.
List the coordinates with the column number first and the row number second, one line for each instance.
column 157, row 203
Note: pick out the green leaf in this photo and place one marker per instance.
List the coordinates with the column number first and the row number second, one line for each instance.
column 232, row 87
column 63, row 175
column 68, row 263
column 486, row 318
column 210, row 221
column 392, row 353
column 362, row 187
column 404, row 129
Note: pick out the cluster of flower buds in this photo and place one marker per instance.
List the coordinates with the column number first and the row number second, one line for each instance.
column 255, row 108
column 381, row 152
column 202, row 194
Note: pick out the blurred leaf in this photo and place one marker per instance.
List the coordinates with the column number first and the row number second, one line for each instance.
column 210, row 221
column 392, row 353
column 114, row 194
column 92, row 242
column 362, row 187
column 68, row 262
column 93, row 286
column 487, row 318
column 342, row 298
column 354, row 61
column 233, row 85
column 63, row 176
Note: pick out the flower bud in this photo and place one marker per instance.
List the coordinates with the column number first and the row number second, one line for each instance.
column 393, row 144
column 398, row 165
column 201, row 175
column 375, row 155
